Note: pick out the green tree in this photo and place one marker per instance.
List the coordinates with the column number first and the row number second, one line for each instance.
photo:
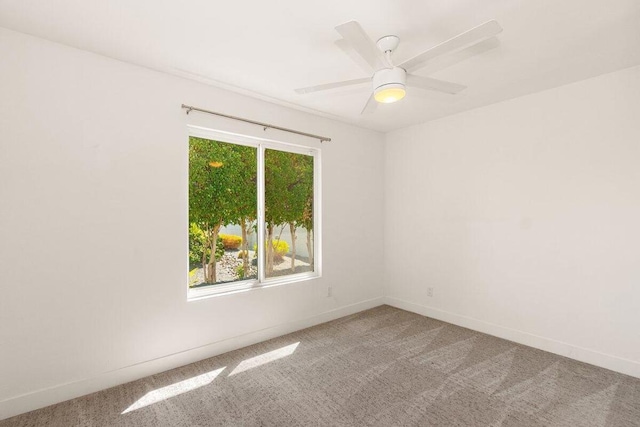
column 288, row 187
column 298, row 192
column 307, row 219
column 274, row 210
column 217, row 190
column 246, row 201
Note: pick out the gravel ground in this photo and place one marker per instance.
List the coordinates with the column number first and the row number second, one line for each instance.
column 226, row 268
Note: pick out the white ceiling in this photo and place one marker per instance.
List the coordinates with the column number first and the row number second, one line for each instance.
column 269, row 48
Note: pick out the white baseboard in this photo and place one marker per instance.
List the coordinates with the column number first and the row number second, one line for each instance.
column 59, row 393
column 607, row 361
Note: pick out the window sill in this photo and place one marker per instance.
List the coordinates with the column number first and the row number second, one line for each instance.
column 205, row 292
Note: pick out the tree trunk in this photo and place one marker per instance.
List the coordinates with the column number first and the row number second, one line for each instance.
column 310, row 247
column 292, row 228
column 204, row 257
column 244, row 248
column 269, row 249
column 213, row 242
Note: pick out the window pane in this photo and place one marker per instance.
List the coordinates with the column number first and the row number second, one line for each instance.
column 288, row 213
column 222, row 212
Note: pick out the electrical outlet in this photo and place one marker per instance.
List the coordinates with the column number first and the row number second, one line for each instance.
column 329, row 292
column 429, row 292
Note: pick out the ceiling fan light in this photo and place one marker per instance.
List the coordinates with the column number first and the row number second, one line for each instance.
column 386, row 94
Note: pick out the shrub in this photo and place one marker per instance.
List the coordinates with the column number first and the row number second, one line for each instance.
column 193, row 279
column 231, row 241
column 198, row 244
column 280, row 248
column 240, row 271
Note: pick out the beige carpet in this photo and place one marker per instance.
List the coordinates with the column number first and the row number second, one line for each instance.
column 381, row 367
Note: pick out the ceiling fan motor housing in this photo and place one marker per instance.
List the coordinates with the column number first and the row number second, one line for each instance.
column 389, row 76
column 389, row 84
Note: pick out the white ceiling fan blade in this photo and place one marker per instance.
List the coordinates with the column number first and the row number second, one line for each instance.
column 353, row 33
column 370, row 106
column 434, row 84
column 333, row 85
column 351, row 53
column 446, row 61
column 468, row 38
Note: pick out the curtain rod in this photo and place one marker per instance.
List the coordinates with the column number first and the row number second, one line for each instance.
column 266, row 126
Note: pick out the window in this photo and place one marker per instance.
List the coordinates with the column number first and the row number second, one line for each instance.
column 253, row 212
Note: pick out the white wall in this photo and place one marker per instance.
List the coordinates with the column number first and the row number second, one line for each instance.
column 93, row 224
column 524, row 217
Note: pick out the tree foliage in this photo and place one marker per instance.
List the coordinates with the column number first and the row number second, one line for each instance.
column 223, row 191
column 288, row 189
column 221, row 186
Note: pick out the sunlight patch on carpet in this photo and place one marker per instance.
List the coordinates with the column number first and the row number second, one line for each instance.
column 174, row 390
column 254, row 362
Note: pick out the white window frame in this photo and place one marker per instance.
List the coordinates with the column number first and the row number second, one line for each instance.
column 261, row 144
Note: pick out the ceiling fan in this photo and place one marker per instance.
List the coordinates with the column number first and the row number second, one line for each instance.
column 390, row 80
